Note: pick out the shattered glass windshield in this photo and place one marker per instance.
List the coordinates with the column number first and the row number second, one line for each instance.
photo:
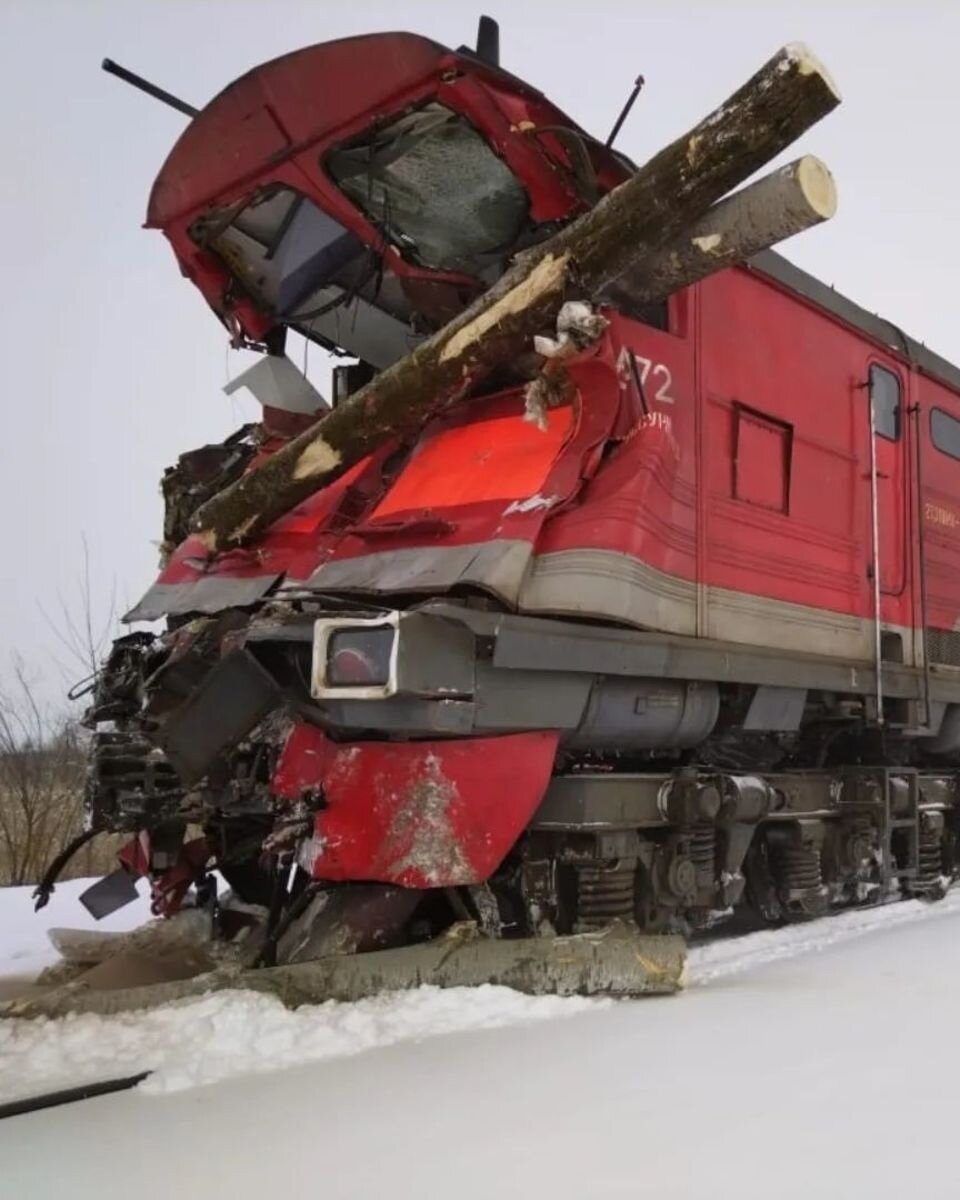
column 436, row 189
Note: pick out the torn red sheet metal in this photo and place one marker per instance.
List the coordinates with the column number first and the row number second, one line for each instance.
column 194, row 582
column 169, row 885
column 492, row 500
column 466, row 510
column 419, row 814
column 275, row 126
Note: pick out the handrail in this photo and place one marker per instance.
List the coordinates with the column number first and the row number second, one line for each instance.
column 921, row 550
column 875, row 529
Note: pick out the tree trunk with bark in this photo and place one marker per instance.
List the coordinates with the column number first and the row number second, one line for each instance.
column 616, row 961
column 635, row 220
column 776, row 207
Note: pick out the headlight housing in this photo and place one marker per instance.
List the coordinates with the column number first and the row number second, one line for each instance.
column 354, row 658
column 360, row 657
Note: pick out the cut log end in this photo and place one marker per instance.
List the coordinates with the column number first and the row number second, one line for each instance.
column 816, row 185
column 800, row 55
column 767, row 211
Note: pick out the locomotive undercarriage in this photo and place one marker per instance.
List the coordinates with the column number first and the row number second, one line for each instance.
column 668, row 809
column 685, row 850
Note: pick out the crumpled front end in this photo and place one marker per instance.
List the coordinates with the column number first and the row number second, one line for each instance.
column 369, row 788
column 302, row 750
column 424, row 814
column 294, row 747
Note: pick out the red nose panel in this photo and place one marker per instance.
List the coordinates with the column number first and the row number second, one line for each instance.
column 418, row 814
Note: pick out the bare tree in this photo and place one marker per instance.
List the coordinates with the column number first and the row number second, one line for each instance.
column 42, row 749
column 41, row 782
column 81, row 636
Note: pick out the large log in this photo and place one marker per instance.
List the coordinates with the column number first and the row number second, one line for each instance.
column 776, row 207
column 615, row 961
column 786, row 96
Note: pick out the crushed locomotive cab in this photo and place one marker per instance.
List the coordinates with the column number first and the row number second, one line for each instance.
column 600, row 641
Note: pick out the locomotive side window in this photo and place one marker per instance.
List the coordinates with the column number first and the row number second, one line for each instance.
column 945, row 432
column 885, row 398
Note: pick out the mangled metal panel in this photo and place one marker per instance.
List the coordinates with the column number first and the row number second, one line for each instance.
column 208, row 594
column 418, row 814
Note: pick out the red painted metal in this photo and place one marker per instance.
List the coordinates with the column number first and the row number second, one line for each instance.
column 169, row 884
column 295, row 545
column 276, row 124
column 677, row 509
column 359, row 513
column 418, row 814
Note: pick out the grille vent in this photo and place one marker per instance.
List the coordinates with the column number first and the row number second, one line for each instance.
column 943, row 646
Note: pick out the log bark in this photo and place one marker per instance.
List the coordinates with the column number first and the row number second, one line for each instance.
column 776, row 207
column 617, row 961
column 674, row 189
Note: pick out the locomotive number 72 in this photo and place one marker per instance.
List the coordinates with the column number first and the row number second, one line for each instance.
column 654, row 371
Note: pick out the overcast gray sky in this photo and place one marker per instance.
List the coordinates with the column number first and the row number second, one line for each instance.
column 113, row 364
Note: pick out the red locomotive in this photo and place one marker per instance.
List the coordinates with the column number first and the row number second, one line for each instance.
column 688, row 648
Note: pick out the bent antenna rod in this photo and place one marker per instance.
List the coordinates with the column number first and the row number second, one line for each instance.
column 151, row 89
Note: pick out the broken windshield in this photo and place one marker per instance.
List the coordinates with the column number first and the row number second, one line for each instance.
column 436, row 189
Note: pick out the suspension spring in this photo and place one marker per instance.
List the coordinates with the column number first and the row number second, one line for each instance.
column 929, row 860
column 604, row 894
column 800, row 875
column 703, row 853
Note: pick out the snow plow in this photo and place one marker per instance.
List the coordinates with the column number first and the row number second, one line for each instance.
column 603, row 600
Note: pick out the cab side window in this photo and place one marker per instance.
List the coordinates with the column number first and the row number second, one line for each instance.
column 945, row 432
column 885, row 398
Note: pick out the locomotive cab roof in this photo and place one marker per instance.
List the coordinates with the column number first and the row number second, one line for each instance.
column 364, row 190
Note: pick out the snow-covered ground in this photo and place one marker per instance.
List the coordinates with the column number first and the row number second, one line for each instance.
column 813, row 1061
column 24, row 947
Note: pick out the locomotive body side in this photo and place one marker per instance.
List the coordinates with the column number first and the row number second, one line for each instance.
column 763, row 536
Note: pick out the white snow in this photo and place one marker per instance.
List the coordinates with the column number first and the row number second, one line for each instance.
column 811, row 1061
column 238, row 1033
column 24, row 947
column 196, row 1042
column 731, row 956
